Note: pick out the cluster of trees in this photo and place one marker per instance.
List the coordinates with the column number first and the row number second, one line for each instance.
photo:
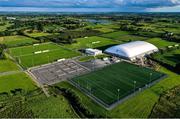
column 167, row 105
column 38, row 24
column 171, row 36
column 2, row 48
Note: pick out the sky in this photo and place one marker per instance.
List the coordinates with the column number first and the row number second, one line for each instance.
column 91, row 5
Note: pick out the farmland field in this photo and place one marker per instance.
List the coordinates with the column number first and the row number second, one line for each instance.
column 123, row 36
column 12, row 41
column 4, row 27
column 29, row 56
column 105, row 83
column 7, row 65
column 91, row 42
column 171, row 57
column 115, row 35
column 105, row 30
column 160, row 43
column 38, row 34
column 16, row 81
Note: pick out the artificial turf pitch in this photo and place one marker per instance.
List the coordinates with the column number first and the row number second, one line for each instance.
column 116, row 81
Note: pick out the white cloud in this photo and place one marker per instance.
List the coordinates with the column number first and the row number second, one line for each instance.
column 139, row 4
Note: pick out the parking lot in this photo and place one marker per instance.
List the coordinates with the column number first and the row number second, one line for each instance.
column 58, row 71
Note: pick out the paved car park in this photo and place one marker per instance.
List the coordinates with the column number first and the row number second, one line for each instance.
column 58, row 71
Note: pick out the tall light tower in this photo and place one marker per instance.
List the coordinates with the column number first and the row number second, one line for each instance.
column 135, row 86
column 118, row 93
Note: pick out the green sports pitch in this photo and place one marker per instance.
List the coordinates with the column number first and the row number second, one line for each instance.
column 38, row 54
column 115, row 82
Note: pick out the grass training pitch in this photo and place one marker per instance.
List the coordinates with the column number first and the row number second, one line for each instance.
column 39, row 54
column 115, row 82
column 91, row 42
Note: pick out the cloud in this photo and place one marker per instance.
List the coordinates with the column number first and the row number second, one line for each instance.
column 147, row 3
column 119, row 4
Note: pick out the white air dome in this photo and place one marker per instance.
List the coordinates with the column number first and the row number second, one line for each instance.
column 132, row 50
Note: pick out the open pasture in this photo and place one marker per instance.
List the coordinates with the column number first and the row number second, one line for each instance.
column 160, row 43
column 171, row 58
column 8, row 65
column 123, row 36
column 13, row 41
column 37, row 34
column 16, row 81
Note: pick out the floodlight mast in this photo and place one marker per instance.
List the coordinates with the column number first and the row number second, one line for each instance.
column 150, row 78
column 118, row 93
column 135, row 86
column 94, row 62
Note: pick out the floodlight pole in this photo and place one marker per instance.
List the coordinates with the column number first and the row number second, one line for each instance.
column 134, row 86
column 150, row 78
column 94, row 62
column 90, row 89
column 118, row 93
column 87, row 85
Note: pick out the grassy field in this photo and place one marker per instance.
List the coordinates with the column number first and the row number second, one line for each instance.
column 105, row 83
column 35, row 105
column 170, row 57
column 11, row 41
column 4, row 27
column 139, row 106
column 50, row 52
column 7, row 65
column 115, row 35
column 52, row 107
column 158, row 42
column 104, row 30
column 123, row 36
column 16, row 81
column 38, row 34
column 89, row 58
column 91, row 42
